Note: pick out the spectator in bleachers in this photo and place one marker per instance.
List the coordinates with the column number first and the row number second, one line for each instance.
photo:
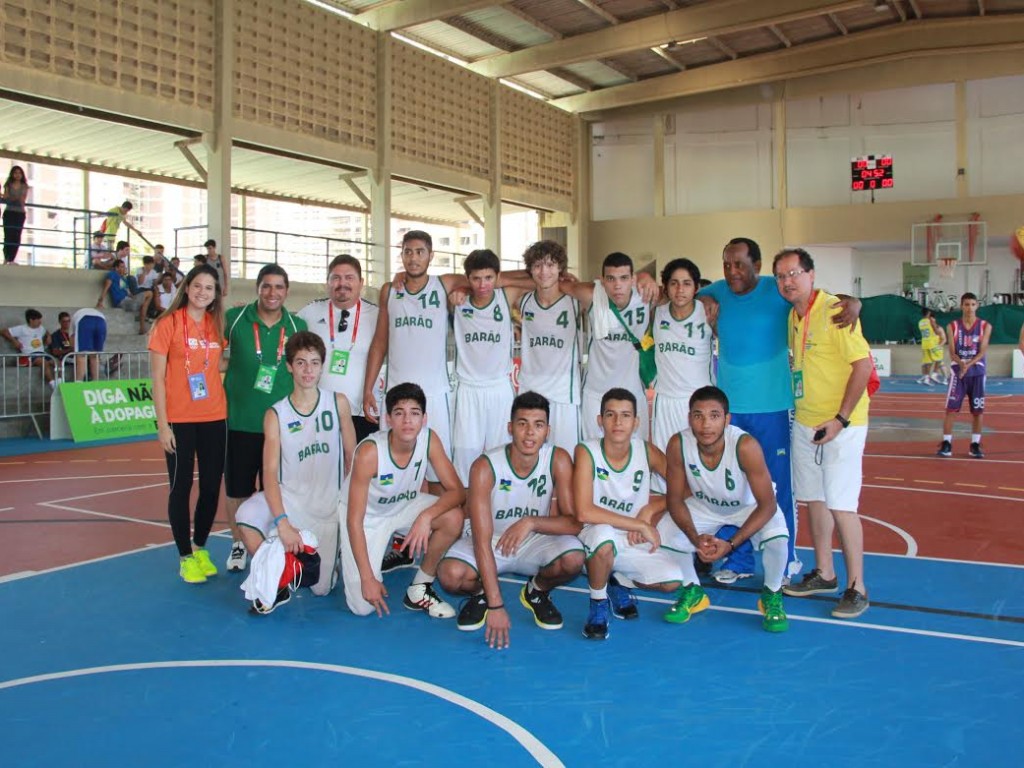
column 62, row 340
column 106, row 259
column 146, row 277
column 115, row 218
column 218, row 262
column 100, row 255
column 31, row 339
column 15, row 194
column 116, row 285
column 156, row 301
column 176, row 269
column 90, row 334
column 160, row 262
column 198, row 259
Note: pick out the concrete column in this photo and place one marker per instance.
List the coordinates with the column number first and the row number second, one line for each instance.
column 379, row 269
column 218, row 141
column 492, row 201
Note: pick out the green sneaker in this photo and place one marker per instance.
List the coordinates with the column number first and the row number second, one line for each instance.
column 206, row 565
column 191, row 571
column 770, row 605
column 690, row 599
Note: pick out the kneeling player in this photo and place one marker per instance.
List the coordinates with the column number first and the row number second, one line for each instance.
column 308, row 439
column 717, row 476
column 382, row 496
column 514, row 527
column 612, row 484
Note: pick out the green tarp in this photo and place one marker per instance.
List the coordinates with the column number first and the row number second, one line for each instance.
column 894, row 318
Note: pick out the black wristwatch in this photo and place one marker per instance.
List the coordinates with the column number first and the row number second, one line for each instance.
column 845, row 422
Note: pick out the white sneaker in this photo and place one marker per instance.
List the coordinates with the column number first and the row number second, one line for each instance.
column 729, row 576
column 938, row 378
column 926, row 381
column 422, row 597
column 237, row 558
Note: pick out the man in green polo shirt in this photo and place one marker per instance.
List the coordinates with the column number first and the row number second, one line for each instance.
column 257, row 377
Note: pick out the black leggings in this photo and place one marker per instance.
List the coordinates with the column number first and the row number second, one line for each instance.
column 14, row 222
column 204, row 441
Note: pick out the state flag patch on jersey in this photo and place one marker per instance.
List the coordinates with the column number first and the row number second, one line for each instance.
column 388, row 479
column 467, row 311
column 694, row 470
column 528, row 315
column 664, row 325
column 294, row 426
column 602, row 473
column 504, row 485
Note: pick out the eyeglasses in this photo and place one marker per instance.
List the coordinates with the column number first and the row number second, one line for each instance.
column 793, row 273
column 343, row 323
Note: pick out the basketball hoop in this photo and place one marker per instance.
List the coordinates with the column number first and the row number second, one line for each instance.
column 947, row 268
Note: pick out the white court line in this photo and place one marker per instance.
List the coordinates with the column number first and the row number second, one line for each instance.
column 82, row 477
column 536, row 749
column 942, row 459
column 931, row 559
column 6, row 509
column 109, row 515
column 948, row 493
column 17, row 576
column 101, row 493
column 907, row 538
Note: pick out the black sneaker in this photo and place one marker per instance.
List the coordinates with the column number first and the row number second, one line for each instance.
column 976, row 452
column 851, row 605
column 260, row 609
column 396, row 558
column 545, row 615
column 596, row 627
column 472, row 613
column 945, row 449
column 811, row 584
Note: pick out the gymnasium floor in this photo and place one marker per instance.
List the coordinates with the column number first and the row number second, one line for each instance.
column 110, row 660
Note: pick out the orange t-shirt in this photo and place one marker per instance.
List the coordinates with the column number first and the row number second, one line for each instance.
column 168, row 339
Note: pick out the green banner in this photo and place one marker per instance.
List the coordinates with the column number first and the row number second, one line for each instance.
column 100, row 410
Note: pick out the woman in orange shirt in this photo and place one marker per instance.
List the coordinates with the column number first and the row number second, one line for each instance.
column 184, row 353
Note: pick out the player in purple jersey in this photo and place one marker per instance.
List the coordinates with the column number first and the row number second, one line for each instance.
column 968, row 342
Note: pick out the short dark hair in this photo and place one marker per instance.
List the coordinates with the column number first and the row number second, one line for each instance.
column 405, row 391
column 97, row 233
column 348, row 259
column 616, row 259
column 482, row 258
column 121, row 244
column 210, row 242
column 672, row 266
column 118, row 263
column 148, row 260
column 806, row 262
column 200, row 258
column 618, row 393
column 530, row 401
column 271, row 269
column 62, row 315
column 753, row 249
column 546, row 249
column 418, row 234
column 926, row 312
column 967, row 296
column 710, row 392
column 33, row 314
column 158, row 245
column 304, row 340
column 127, row 205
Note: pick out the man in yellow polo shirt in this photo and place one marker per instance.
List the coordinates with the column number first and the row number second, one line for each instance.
column 831, row 369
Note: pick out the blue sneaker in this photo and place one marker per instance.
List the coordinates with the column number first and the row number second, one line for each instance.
column 596, row 627
column 623, row 602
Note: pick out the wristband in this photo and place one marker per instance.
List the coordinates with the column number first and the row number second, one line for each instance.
column 500, row 607
column 842, row 420
column 732, row 546
column 280, row 517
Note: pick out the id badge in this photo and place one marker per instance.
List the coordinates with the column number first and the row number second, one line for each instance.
column 265, row 378
column 339, row 362
column 798, row 385
column 197, row 386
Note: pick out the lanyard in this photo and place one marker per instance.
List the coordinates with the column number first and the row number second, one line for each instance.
column 799, row 364
column 184, row 335
column 355, row 323
column 259, row 348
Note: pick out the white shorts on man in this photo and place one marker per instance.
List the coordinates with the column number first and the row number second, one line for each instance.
column 707, row 520
column 535, row 552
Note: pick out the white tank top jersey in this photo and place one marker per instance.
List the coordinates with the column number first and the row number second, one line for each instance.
column 550, row 349
column 625, row 491
column 312, row 455
column 515, row 497
column 418, row 338
column 682, row 349
column 613, row 361
column 483, row 340
column 394, row 486
column 724, row 488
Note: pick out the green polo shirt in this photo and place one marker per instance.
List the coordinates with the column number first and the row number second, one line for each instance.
column 247, row 405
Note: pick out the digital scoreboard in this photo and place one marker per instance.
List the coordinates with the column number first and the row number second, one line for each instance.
column 871, row 172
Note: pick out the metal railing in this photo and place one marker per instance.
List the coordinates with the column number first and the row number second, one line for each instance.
column 24, row 391
column 77, row 366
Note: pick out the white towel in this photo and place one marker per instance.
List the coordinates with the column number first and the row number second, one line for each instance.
column 266, row 567
column 602, row 319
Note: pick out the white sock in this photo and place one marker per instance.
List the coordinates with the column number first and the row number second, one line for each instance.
column 599, row 594
column 975, row 438
column 774, row 554
column 531, row 586
column 421, row 578
column 948, row 438
column 689, row 570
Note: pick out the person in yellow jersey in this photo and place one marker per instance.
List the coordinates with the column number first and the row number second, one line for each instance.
column 933, row 345
column 831, row 370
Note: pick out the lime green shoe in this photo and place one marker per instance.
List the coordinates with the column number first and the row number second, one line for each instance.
column 191, row 571
column 690, row 599
column 206, row 565
column 770, row 604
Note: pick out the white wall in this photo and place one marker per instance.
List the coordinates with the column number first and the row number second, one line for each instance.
column 833, row 268
column 882, row 272
column 995, row 136
column 622, row 169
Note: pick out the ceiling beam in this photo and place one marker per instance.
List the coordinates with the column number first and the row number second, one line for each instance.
column 710, row 19
column 595, row 8
column 895, row 5
column 915, row 39
column 840, row 27
column 779, row 36
column 981, row 7
column 717, row 43
column 615, row 67
column 667, row 57
column 409, row 13
column 572, row 78
column 547, row 30
column 916, row 9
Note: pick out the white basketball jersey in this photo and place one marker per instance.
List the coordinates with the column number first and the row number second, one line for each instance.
column 514, row 497
column 394, row 486
column 312, row 456
column 682, row 351
column 724, row 488
column 550, row 350
column 483, row 340
column 624, row 491
column 418, row 338
column 613, row 361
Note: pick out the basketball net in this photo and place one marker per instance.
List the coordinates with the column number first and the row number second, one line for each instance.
column 947, row 268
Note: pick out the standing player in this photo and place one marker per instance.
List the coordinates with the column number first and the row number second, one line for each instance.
column 308, row 441
column 483, row 364
column 968, row 345
column 550, row 351
column 515, row 528
column 346, row 324
column 717, row 477
column 682, row 343
column 383, row 496
column 612, row 484
column 933, row 342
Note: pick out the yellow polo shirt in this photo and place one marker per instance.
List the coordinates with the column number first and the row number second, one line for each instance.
column 825, row 353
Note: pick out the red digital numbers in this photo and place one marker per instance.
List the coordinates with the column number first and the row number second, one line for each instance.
column 887, row 183
column 871, row 172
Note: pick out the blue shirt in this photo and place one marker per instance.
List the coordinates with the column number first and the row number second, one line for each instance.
column 118, row 287
column 753, row 351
